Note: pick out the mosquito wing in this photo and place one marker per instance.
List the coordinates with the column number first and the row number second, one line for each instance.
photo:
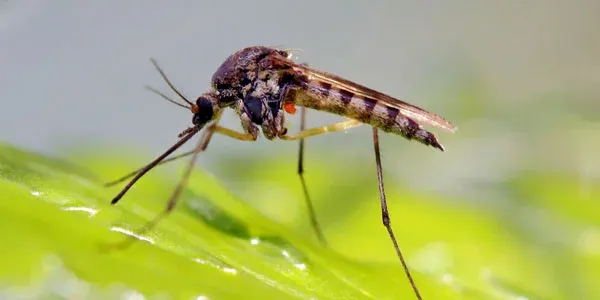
column 408, row 110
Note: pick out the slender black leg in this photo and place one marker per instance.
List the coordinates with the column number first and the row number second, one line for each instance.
column 206, row 136
column 200, row 147
column 311, row 210
column 386, row 216
column 155, row 162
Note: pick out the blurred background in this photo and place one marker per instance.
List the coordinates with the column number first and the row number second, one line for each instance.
column 520, row 79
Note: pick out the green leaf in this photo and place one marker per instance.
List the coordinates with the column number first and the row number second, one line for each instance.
column 57, row 228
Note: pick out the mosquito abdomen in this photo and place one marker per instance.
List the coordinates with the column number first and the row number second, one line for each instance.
column 321, row 95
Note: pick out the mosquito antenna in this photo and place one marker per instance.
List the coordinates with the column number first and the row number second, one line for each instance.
column 148, row 167
column 164, row 76
column 166, row 97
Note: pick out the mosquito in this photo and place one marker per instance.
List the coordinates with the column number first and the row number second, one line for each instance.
column 261, row 84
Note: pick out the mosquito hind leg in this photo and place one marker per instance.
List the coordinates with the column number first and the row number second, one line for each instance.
column 311, row 210
column 386, row 216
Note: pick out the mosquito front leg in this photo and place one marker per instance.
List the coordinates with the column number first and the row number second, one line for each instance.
column 323, row 129
column 236, row 134
column 188, row 135
column 311, row 210
column 205, row 138
column 186, row 175
column 386, row 216
column 201, row 146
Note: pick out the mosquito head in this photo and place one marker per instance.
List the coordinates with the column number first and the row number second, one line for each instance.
column 205, row 109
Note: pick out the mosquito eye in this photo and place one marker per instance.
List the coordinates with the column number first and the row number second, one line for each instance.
column 205, row 111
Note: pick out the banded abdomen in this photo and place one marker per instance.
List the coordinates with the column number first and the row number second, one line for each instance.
column 321, row 95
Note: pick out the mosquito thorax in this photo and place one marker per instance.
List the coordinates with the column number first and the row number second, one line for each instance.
column 240, row 71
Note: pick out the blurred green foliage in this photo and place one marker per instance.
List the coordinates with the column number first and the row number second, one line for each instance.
column 256, row 243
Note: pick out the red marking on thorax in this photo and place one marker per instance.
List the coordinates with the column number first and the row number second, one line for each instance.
column 290, row 108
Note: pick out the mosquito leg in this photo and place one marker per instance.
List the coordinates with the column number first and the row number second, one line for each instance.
column 301, row 135
column 386, row 216
column 201, row 146
column 311, row 210
column 206, row 137
column 344, row 125
column 204, row 141
column 235, row 134
column 151, row 165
